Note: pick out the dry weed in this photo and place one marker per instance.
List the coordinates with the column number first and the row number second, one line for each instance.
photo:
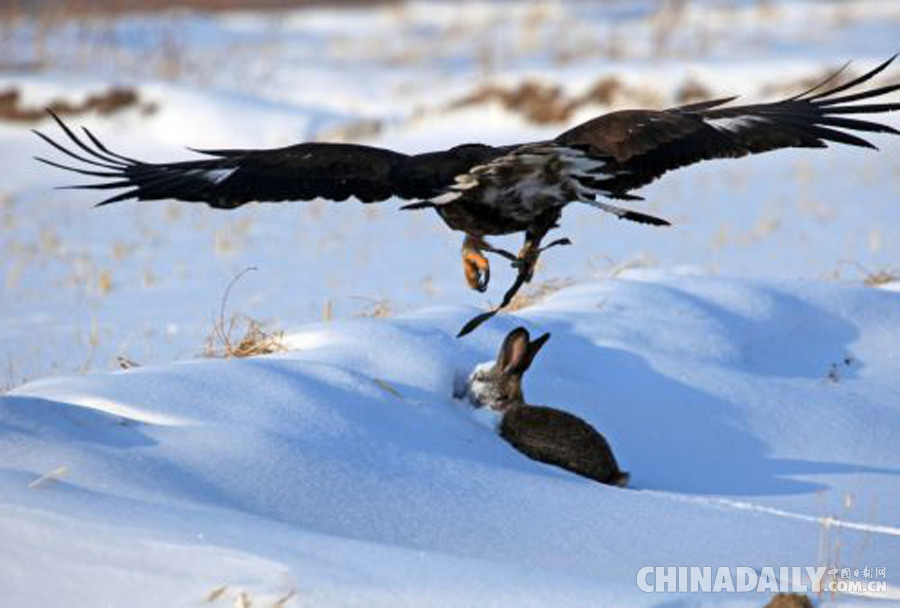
column 869, row 278
column 356, row 130
column 254, row 340
column 832, row 544
column 9, row 375
column 538, row 103
column 538, row 293
column 283, row 600
column 546, row 103
column 616, row 269
column 790, row 600
column 125, row 363
column 691, row 91
column 50, row 477
column 108, row 102
column 115, row 8
column 386, row 387
column 377, row 309
column 243, row 599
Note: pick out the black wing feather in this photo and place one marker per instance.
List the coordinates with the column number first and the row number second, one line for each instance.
column 637, row 145
column 641, row 145
column 300, row 172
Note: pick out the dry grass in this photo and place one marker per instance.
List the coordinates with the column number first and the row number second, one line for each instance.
column 242, row 599
column 613, row 269
column 547, row 103
column 691, row 91
column 377, row 308
column 283, row 600
column 543, row 103
column 125, row 363
column 541, row 291
column 834, row 552
column 537, row 293
column 9, row 375
column 114, row 8
column 790, row 600
column 355, row 130
column 50, row 477
column 110, row 101
column 254, row 340
column 869, row 278
column 216, row 593
column 537, row 102
column 881, row 277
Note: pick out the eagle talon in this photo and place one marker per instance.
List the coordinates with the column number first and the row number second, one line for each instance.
column 476, row 266
column 477, row 270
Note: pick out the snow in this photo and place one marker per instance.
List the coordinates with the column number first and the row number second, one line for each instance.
column 301, row 471
column 740, row 369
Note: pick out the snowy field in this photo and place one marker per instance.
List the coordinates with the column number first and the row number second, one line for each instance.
column 743, row 363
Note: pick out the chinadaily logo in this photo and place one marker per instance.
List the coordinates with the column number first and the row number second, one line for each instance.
column 867, row 580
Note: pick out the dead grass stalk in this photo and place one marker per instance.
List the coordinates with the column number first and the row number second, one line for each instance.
column 254, row 338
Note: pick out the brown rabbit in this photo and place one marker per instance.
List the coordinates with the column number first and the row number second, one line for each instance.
column 541, row 433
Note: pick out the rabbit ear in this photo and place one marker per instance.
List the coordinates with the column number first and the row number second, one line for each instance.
column 533, row 349
column 513, row 356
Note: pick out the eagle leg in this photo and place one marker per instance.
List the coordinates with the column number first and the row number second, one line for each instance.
column 528, row 258
column 529, row 254
column 531, row 250
column 476, row 267
column 525, row 262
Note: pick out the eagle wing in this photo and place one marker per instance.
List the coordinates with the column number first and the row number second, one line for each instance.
column 641, row 145
column 231, row 178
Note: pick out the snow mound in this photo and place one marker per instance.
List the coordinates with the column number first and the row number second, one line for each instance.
column 344, row 470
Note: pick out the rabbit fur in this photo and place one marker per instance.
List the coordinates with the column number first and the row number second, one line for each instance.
column 544, row 434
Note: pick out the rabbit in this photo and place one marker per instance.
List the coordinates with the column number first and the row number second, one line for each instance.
column 544, row 434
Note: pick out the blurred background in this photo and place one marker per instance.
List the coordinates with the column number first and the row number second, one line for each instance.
column 83, row 287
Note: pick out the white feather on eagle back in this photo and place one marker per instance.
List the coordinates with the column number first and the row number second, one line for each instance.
column 528, row 181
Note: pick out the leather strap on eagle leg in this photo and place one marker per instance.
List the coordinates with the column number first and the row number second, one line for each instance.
column 527, row 261
column 522, row 277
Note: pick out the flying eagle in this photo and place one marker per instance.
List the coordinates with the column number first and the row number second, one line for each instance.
column 484, row 190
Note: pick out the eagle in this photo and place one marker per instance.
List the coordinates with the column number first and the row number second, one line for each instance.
column 483, row 190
